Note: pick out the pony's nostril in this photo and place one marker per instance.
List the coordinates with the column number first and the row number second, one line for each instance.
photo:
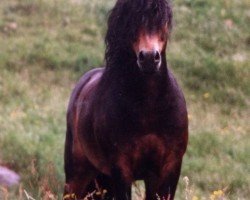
column 141, row 56
column 157, row 57
column 149, row 59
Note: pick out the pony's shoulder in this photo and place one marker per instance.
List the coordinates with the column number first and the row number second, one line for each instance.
column 88, row 80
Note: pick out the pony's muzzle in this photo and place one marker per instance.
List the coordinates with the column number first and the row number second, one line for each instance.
column 149, row 61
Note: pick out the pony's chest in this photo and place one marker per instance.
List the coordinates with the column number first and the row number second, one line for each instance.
column 152, row 118
column 148, row 116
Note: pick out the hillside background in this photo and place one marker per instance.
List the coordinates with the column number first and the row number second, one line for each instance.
column 46, row 45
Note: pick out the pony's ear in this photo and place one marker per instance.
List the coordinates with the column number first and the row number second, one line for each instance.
column 166, row 28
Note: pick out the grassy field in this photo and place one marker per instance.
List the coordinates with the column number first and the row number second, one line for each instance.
column 46, row 45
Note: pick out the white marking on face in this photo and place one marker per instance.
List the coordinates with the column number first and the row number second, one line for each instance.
column 149, row 42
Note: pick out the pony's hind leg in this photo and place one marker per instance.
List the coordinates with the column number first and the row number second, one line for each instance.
column 78, row 181
column 79, row 172
column 152, row 186
column 83, row 181
column 121, row 187
column 104, row 187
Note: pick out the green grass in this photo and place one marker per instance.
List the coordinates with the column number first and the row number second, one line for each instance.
column 46, row 46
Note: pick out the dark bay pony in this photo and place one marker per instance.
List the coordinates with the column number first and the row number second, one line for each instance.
column 128, row 120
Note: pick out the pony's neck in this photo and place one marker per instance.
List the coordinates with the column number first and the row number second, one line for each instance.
column 123, row 66
column 129, row 78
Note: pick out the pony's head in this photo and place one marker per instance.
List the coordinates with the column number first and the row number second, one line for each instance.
column 138, row 32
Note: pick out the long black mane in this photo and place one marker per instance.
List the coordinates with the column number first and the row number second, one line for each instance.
column 125, row 21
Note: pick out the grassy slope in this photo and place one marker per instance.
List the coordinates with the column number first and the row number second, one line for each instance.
column 45, row 47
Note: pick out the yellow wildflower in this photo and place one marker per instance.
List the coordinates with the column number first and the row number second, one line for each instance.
column 195, row 198
column 206, row 95
column 217, row 194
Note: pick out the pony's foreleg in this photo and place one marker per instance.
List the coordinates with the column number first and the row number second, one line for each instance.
column 78, row 181
column 168, row 186
column 163, row 188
